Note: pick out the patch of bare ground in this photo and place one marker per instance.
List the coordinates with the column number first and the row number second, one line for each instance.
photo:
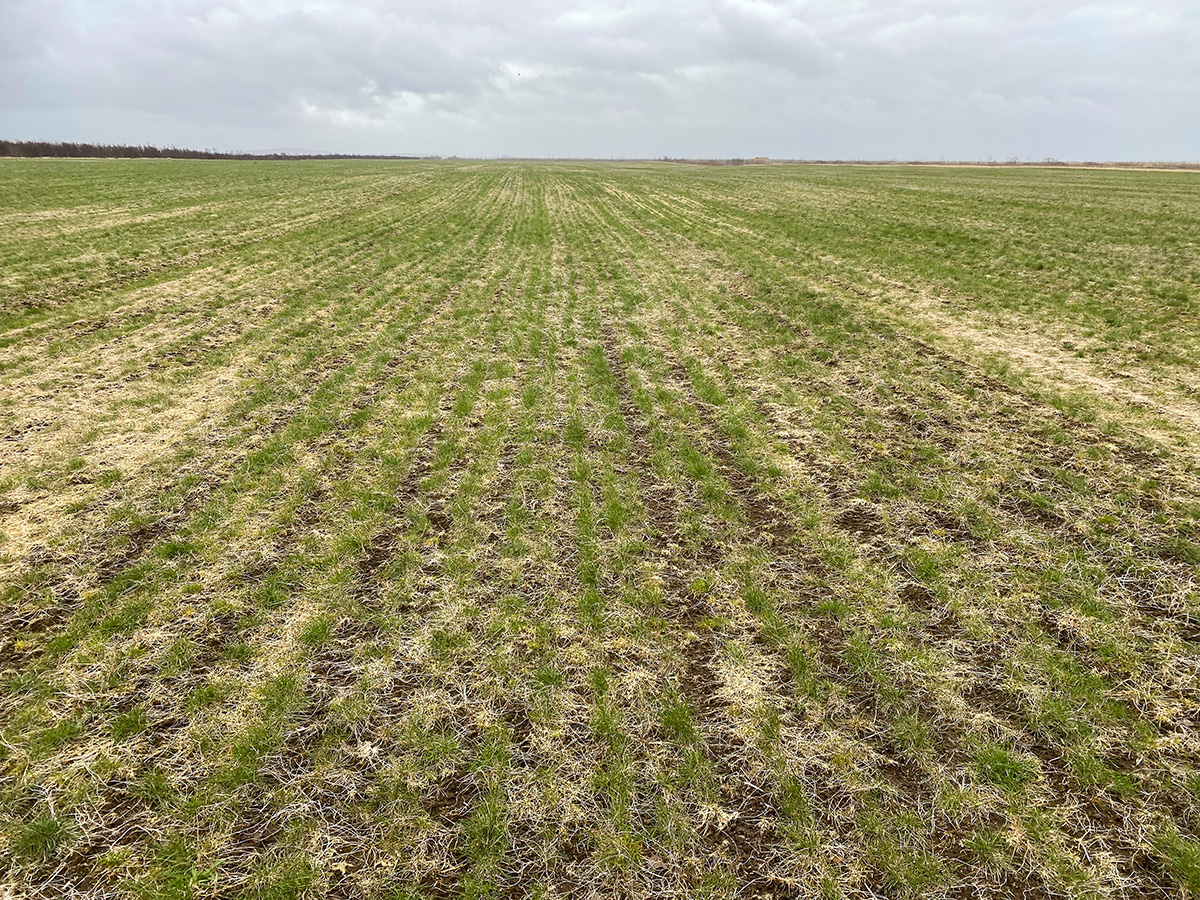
column 1097, row 825
column 770, row 527
column 434, row 509
column 335, row 763
column 864, row 519
column 746, row 834
column 24, row 630
column 956, row 427
column 367, row 586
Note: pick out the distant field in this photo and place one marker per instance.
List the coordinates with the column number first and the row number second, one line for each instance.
column 431, row 529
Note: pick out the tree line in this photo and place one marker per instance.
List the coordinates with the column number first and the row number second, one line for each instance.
column 68, row 149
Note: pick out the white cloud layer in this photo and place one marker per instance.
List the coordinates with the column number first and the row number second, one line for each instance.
column 928, row 79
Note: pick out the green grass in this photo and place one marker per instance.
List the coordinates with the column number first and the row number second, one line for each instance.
column 421, row 529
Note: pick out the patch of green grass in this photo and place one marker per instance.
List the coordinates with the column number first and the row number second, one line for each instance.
column 676, row 718
column 39, row 839
column 1182, row 857
column 1001, row 767
column 317, row 632
column 129, row 723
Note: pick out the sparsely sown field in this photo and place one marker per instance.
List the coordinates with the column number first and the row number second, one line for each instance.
column 403, row 530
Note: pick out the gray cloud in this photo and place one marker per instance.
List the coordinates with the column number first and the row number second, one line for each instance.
column 793, row 78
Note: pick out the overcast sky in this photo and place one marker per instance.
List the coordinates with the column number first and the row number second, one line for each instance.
column 925, row 79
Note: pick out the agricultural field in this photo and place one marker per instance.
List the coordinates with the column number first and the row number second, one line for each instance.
column 489, row 530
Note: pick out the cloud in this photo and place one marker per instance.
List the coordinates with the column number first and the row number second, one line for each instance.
column 860, row 78
column 772, row 36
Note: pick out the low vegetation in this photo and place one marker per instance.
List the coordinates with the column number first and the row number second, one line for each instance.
column 438, row 529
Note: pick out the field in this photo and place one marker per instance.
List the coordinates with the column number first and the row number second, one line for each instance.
column 449, row 529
